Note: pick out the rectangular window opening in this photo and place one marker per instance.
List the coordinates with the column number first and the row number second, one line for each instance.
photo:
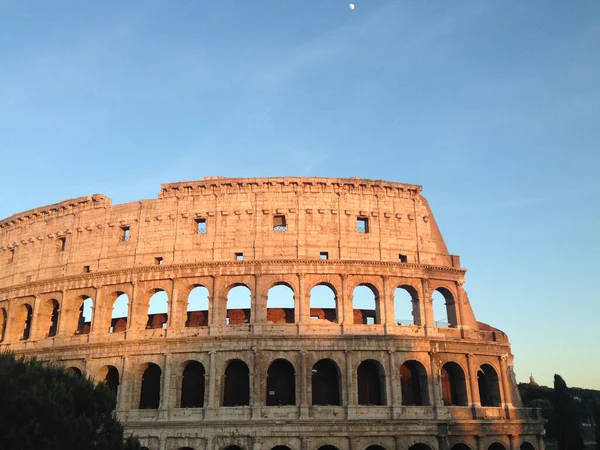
column 200, row 226
column 126, row 234
column 370, row 320
column 402, row 258
column 324, row 255
column 362, row 225
column 61, row 244
column 86, row 269
column 158, row 260
column 279, row 223
column 11, row 255
column 239, row 256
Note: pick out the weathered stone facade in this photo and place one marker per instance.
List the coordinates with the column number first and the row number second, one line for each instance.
column 343, row 377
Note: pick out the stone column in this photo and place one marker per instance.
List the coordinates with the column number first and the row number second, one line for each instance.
column 501, row 389
column 394, row 401
column 166, row 383
column 513, row 442
column 426, row 305
column 387, row 317
column 212, row 303
column 255, row 391
column 505, row 379
column 351, row 397
column 173, row 319
column 347, row 308
column 33, row 326
column 303, row 367
column 302, row 305
column 435, row 385
column 120, row 396
column 540, row 442
column 212, row 379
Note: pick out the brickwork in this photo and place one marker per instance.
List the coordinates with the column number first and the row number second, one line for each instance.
column 262, row 232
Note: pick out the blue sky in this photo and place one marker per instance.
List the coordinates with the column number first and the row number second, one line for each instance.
column 493, row 106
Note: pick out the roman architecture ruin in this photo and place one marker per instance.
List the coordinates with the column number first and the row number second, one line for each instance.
column 265, row 313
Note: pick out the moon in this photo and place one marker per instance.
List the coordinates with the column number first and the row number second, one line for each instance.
column 351, row 5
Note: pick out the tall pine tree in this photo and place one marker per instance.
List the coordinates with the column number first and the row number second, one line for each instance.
column 569, row 435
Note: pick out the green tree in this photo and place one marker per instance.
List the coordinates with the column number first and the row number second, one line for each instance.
column 42, row 406
column 597, row 424
column 569, row 435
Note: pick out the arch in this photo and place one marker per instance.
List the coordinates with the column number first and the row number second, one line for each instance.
column 280, row 304
column 281, row 383
column 419, row 446
column 120, row 313
column 326, row 383
column 192, row 385
column 454, row 386
column 86, row 312
column 526, row 446
column 460, row 446
column 236, row 388
column 74, row 371
column 371, row 383
column 489, row 388
column 3, row 320
column 444, row 308
column 323, row 303
column 110, row 375
column 150, row 389
column 22, row 320
column 158, row 310
column 406, row 306
column 496, row 446
column 365, row 303
column 239, row 305
column 197, row 307
column 414, row 384
column 54, row 315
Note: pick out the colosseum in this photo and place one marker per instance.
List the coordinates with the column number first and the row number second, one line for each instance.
column 265, row 313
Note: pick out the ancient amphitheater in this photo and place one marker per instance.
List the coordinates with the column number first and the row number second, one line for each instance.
column 333, row 342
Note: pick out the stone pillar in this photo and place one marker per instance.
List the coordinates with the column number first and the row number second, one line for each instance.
column 501, row 389
column 436, row 400
column 166, row 383
column 505, row 380
column 351, row 400
column 212, row 302
column 426, row 305
column 479, row 441
column 394, row 401
column 121, row 391
column 540, row 442
column 302, row 306
column 212, row 379
column 258, row 304
column 303, row 368
column 347, row 308
column 33, row 325
column 386, row 303
column 472, row 378
column 460, row 293
column 513, row 442
column 174, row 315
column 255, row 391
column 130, row 310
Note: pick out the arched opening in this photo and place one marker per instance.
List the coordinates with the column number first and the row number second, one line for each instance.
column 23, row 321
column 54, row 312
column 323, row 303
column 496, row 446
column 192, row 386
column 280, row 304
column 444, row 309
column 236, row 388
column 111, row 378
column 84, row 322
column 375, row 447
column 364, row 302
column 326, row 383
column 281, row 383
column 460, row 447
column 158, row 308
column 371, row 383
column 406, row 311
column 239, row 304
column 528, row 446
column 150, row 391
column 197, row 308
column 74, row 371
column 489, row 389
column 3, row 320
column 454, row 387
column 120, row 313
column 413, row 383
column 419, row 446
